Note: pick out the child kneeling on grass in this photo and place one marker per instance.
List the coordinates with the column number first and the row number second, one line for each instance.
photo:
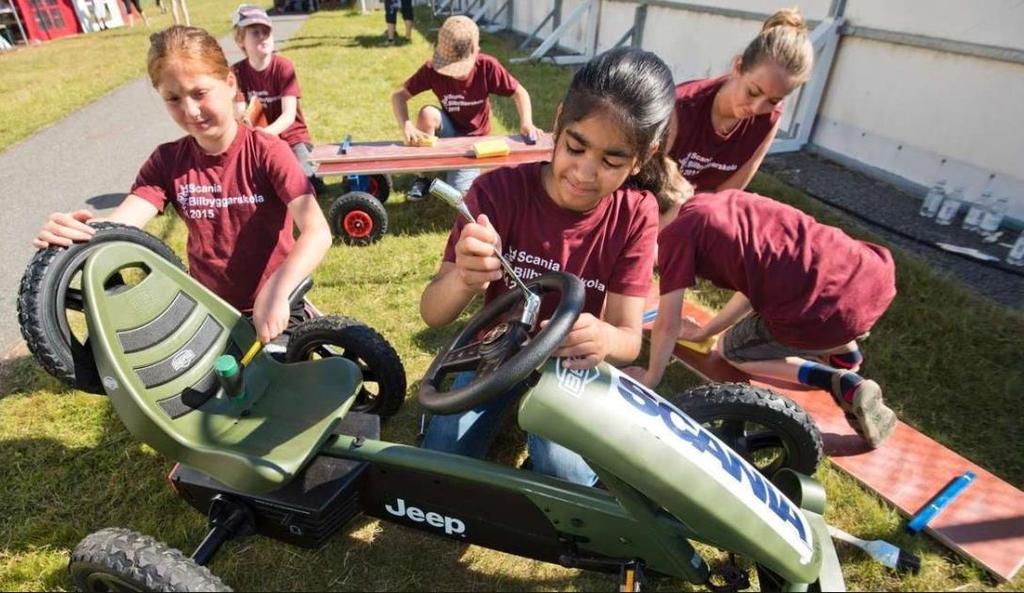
column 805, row 292
column 238, row 190
column 463, row 80
column 592, row 211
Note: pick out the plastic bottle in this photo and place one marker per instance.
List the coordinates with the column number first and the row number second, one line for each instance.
column 950, row 206
column 934, row 199
column 977, row 211
column 994, row 216
column 1016, row 255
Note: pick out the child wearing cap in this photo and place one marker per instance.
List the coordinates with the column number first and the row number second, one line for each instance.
column 271, row 78
column 462, row 78
column 805, row 292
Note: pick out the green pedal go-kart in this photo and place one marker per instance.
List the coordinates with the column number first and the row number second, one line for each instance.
column 291, row 460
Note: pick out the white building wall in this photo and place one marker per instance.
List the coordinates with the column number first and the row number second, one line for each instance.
column 903, row 110
column 988, row 22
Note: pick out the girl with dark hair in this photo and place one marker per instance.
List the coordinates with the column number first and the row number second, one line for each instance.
column 592, row 211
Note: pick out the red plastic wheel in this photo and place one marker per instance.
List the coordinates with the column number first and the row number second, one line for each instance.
column 358, row 224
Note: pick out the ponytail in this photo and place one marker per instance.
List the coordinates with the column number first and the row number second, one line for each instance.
column 660, row 175
column 784, row 41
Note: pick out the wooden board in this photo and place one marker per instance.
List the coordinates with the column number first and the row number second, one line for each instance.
column 366, row 158
column 986, row 523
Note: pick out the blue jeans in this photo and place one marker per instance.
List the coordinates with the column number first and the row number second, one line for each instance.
column 460, row 179
column 472, row 433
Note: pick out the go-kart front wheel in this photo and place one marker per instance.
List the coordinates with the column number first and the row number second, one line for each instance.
column 357, row 218
column 768, row 430
column 383, row 389
column 116, row 559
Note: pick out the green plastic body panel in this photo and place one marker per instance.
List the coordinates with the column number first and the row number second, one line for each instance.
column 609, row 528
column 626, row 429
column 255, row 443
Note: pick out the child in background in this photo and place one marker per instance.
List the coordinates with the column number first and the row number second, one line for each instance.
column 463, row 79
column 592, row 211
column 723, row 127
column 128, row 4
column 270, row 78
column 805, row 292
column 239, row 191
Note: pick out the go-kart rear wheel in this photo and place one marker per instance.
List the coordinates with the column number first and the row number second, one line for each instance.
column 50, row 304
column 769, row 431
column 383, row 389
column 116, row 559
column 357, row 218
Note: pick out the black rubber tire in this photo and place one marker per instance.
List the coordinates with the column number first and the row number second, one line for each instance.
column 115, row 559
column 380, row 187
column 729, row 410
column 357, row 218
column 361, row 344
column 42, row 303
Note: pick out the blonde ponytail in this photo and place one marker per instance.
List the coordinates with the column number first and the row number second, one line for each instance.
column 784, row 40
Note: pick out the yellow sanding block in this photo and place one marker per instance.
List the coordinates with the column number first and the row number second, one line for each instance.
column 702, row 347
column 491, row 148
column 426, row 141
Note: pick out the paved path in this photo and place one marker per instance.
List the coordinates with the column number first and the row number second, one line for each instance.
column 88, row 159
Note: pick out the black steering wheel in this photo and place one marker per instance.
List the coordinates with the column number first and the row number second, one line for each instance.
column 506, row 354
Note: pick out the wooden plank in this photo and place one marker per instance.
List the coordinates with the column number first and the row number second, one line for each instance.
column 986, row 523
column 425, row 165
column 444, row 148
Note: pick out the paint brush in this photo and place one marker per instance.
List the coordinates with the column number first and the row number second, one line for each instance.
column 885, row 553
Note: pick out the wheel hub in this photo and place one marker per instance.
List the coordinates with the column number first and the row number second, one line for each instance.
column 358, row 224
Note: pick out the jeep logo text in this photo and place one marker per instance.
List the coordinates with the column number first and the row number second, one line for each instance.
column 450, row 525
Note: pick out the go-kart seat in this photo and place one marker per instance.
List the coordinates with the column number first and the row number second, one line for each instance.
column 155, row 342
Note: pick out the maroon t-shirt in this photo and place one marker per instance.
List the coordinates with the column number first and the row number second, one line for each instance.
column 466, row 101
column 234, row 204
column 610, row 247
column 278, row 80
column 814, row 286
column 705, row 158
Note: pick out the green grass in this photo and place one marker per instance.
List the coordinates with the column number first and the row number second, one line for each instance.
column 43, row 83
column 949, row 361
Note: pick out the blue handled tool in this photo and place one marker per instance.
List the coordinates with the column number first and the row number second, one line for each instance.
column 346, row 145
column 941, row 500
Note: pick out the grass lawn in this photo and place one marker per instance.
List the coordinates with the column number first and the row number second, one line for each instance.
column 42, row 84
column 949, row 361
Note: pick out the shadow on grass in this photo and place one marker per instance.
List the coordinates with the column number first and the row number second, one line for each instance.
column 379, row 41
column 22, row 374
column 432, row 339
column 55, row 495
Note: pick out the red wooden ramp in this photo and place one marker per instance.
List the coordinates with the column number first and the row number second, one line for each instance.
column 366, row 158
column 986, row 523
